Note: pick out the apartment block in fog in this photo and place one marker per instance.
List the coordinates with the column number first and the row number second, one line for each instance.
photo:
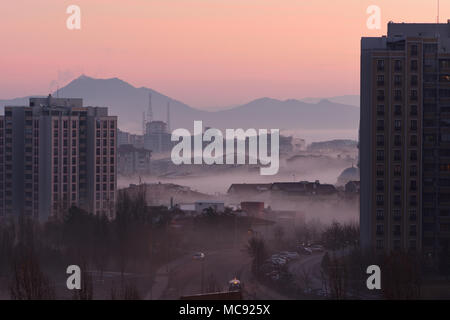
column 405, row 139
column 54, row 154
column 132, row 160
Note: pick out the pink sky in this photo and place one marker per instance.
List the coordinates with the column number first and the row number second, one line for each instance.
column 202, row 52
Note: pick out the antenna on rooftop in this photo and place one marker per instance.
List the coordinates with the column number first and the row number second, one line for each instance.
column 168, row 116
column 150, row 108
column 437, row 11
column 143, row 123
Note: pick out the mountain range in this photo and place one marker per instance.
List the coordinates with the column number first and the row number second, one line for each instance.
column 129, row 103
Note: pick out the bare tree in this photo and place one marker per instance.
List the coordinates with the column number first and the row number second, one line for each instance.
column 256, row 248
column 305, row 278
column 127, row 291
column 29, row 282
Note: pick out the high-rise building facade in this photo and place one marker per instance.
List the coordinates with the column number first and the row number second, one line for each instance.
column 55, row 154
column 405, row 139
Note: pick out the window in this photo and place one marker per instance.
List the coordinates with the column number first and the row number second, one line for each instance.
column 380, row 244
column 398, row 65
column 413, row 215
column 413, row 155
column 380, row 185
column 413, row 185
column 380, row 80
column 380, row 95
column 380, row 125
column 397, row 230
column 397, row 171
column 414, row 65
column 380, row 140
column 413, row 140
column 397, row 155
column 380, row 214
column 397, row 214
column 380, row 110
column 397, row 140
column 380, row 171
column 397, row 200
column 380, row 199
column 380, row 229
column 380, row 65
column 398, row 124
column 413, row 230
column 398, row 110
column 380, row 155
column 413, row 200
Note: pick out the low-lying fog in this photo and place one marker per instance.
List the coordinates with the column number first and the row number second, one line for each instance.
column 217, row 179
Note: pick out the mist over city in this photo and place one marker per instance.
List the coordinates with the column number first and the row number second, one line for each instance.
column 238, row 152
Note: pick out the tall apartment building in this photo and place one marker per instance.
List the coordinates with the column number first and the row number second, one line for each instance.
column 405, row 139
column 55, row 153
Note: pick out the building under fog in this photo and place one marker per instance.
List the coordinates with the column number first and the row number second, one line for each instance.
column 132, row 160
column 157, row 138
column 55, row 154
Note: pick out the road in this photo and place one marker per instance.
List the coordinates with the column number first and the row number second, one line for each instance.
column 307, row 267
column 185, row 274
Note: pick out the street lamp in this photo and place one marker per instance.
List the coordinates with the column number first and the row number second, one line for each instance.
column 200, row 256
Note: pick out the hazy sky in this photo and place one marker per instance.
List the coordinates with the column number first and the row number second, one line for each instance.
column 202, row 52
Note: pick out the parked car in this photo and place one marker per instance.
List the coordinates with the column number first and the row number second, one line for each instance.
column 316, row 248
column 305, row 250
column 293, row 255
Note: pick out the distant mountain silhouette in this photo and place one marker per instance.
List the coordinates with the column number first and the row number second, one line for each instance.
column 351, row 100
column 129, row 102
